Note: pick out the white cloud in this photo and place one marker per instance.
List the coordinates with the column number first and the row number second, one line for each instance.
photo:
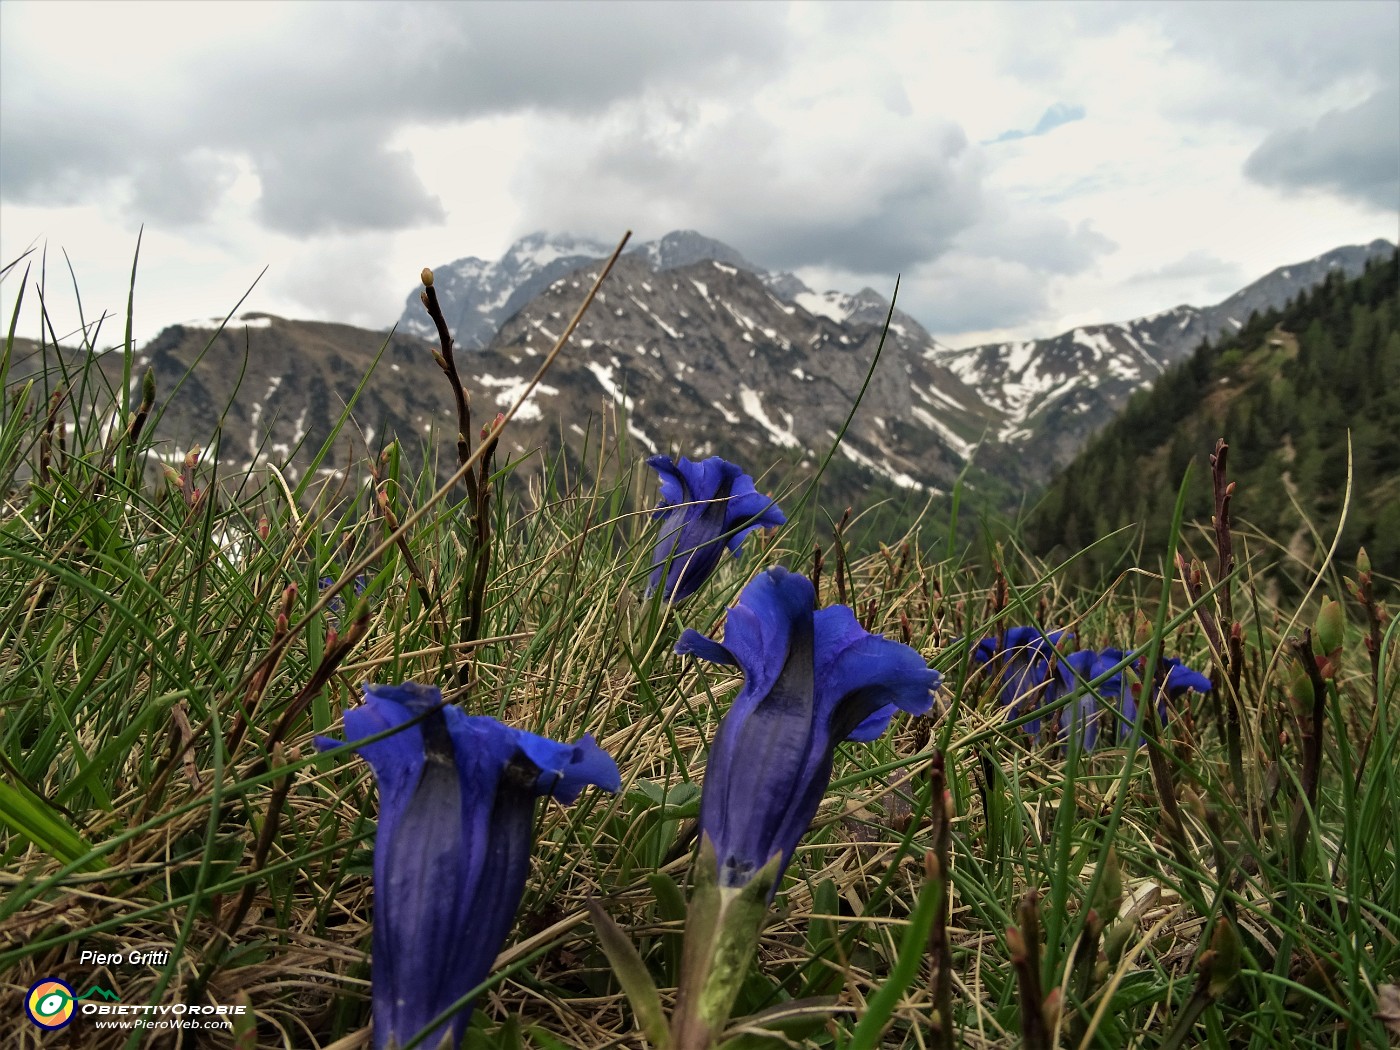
column 347, row 146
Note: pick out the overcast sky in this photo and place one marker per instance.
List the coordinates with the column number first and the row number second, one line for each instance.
column 1025, row 167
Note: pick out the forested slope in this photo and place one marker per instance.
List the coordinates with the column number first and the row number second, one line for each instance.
column 1287, row 392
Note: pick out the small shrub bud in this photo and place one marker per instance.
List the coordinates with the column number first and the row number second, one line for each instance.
column 1300, row 686
column 1015, row 944
column 427, row 276
column 1144, row 629
column 1331, row 627
column 1117, row 940
column 1110, row 899
column 932, row 868
column 1225, row 945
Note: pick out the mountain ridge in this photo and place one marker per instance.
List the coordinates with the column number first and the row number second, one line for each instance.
column 697, row 354
column 1045, row 396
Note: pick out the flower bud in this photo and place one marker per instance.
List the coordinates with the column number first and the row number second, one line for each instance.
column 427, row 276
column 1331, row 627
column 1300, row 686
column 1109, row 899
column 1225, row 946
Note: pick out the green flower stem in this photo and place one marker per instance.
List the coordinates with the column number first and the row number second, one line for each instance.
column 721, row 936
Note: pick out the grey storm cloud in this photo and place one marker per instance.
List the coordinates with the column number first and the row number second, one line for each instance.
column 183, row 189
column 314, row 105
column 1038, row 240
column 332, row 181
column 859, row 199
column 1259, row 61
column 1294, row 48
column 967, row 293
column 911, row 214
column 1353, row 152
column 999, row 274
column 1197, row 265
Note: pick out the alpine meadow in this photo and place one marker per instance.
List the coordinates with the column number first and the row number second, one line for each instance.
column 570, row 691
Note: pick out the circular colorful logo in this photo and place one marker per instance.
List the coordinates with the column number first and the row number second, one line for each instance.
column 50, row 1003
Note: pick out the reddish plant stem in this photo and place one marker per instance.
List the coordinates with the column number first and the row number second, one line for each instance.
column 940, row 859
column 1025, row 960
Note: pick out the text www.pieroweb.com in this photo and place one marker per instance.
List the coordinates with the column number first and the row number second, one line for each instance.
column 154, row 1018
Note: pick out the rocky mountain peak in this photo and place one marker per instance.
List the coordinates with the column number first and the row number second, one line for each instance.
column 686, row 247
column 479, row 296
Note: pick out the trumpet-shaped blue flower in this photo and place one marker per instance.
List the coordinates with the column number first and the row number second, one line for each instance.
column 812, row 678
column 336, row 605
column 707, row 508
column 1178, row 679
column 1089, row 711
column 1083, row 717
column 1023, row 659
column 452, row 849
column 1174, row 681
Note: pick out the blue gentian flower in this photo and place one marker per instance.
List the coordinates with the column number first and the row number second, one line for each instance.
column 1178, row 679
column 337, row 604
column 1086, row 713
column 1024, row 661
column 1175, row 680
column 812, row 678
column 708, row 508
column 452, row 849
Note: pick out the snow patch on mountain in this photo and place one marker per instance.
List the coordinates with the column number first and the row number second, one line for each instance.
column 831, row 305
column 511, row 388
column 752, row 404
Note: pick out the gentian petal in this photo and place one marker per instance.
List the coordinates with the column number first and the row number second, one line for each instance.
column 874, row 725
column 565, row 769
column 861, row 673
column 764, row 744
column 452, row 847
column 694, row 643
column 1024, row 660
column 708, row 508
column 811, row 680
column 1073, row 673
column 757, row 632
column 1181, row 679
